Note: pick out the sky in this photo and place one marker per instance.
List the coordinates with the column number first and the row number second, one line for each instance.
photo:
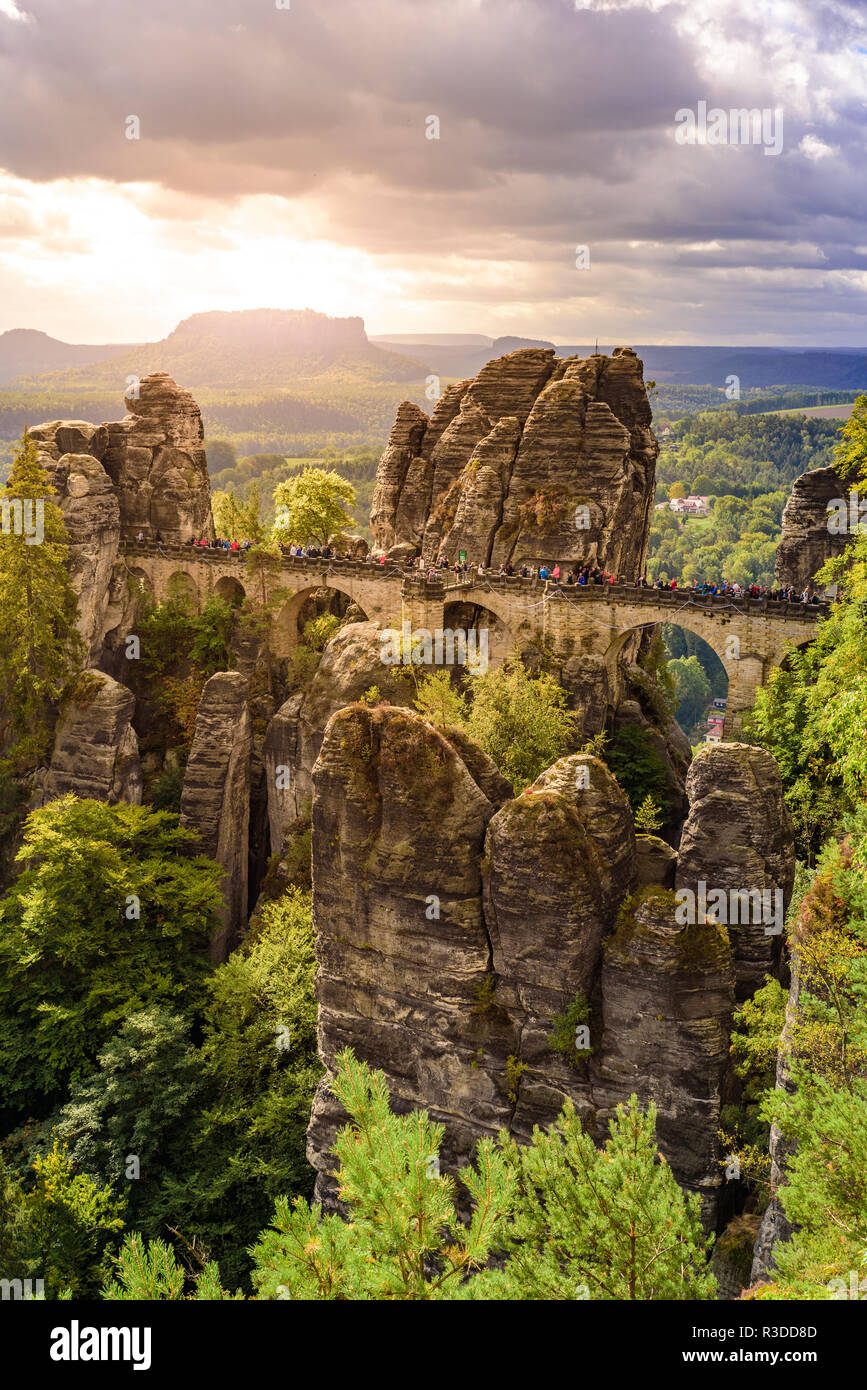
column 435, row 166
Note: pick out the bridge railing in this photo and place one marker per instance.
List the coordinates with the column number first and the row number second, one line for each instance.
column 447, row 582
column 631, row 593
column 218, row 555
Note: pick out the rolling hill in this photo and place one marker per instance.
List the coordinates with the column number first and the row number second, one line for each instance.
column 27, row 352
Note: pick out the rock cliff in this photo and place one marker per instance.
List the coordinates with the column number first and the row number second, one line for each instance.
column 146, row 473
column 738, row 837
column 216, row 794
column 806, row 542
column 95, row 746
column 71, row 451
column 536, row 459
column 460, row 942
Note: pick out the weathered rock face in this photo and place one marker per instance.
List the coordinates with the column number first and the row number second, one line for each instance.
column 157, row 463
column 351, row 664
column 656, row 862
column 404, row 442
column 775, row 1225
column 95, row 747
column 806, row 542
column 559, row 859
column 216, row 794
column 667, row 1000
column 508, row 457
column 461, row 1010
column 738, row 838
column 356, row 545
column 157, row 473
column 71, row 451
column 401, row 946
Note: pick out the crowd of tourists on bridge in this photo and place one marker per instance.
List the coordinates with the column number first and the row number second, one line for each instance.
column 579, row 576
column 220, row 544
column 596, row 575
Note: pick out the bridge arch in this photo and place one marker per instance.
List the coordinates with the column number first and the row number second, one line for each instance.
column 465, row 612
column 730, row 635
column 230, row 589
column 286, row 634
column 710, row 631
column 181, row 585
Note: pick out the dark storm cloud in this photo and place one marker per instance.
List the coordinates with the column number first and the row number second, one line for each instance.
column 557, row 124
column 233, row 96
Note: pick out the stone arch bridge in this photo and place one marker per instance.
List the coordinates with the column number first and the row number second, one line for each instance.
column 750, row 636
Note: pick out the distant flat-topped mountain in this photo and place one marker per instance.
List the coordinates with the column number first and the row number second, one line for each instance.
column 27, row 352
column 250, row 347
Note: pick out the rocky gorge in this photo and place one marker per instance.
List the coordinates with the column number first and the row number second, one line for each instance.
column 493, row 953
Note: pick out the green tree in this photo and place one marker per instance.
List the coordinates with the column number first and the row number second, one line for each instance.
column 311, row 506
column 218, row 1131
column 111, row 914
column 405, row 1239
column 236, row 518
column 823, row 1113
column 812, row 714
column 441, row 703
column 638, row 767
column 70, row 1225
column 39, row 644
column 850, row 455
column 148, row 1271
column 607, row 1223
column 247, row 1142
column 648, row 817
column 127, row 1122
column 693, row 690
column 520, row 720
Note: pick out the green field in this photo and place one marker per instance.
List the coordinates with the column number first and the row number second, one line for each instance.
column 818, row 412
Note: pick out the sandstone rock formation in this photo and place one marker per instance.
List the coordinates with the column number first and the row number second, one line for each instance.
column 806, row 542
column 216, row 794
column 461, row 1010
column 71, row 452
column 738, row 838
column 351, row 665
column 95, row 747
column 506, row 460
column 157, row 463
column 154, row 475
column 402, row 951
column 655, row 862
column 667, row 1000
column 559, row 859
column 775, row 1225
column 146, row 473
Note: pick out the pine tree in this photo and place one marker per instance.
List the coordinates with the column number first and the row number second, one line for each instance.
column 573, row 1221
column 147, row 1271
column 404, row 1239
column 39, row 643
column 111, row 914
column 606, row 1223
column 648, row 817
column 71, row 1225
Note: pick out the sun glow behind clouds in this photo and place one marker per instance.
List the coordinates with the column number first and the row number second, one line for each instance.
column 157, row 260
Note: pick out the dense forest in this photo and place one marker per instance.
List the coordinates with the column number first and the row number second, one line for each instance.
column 745, row 465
